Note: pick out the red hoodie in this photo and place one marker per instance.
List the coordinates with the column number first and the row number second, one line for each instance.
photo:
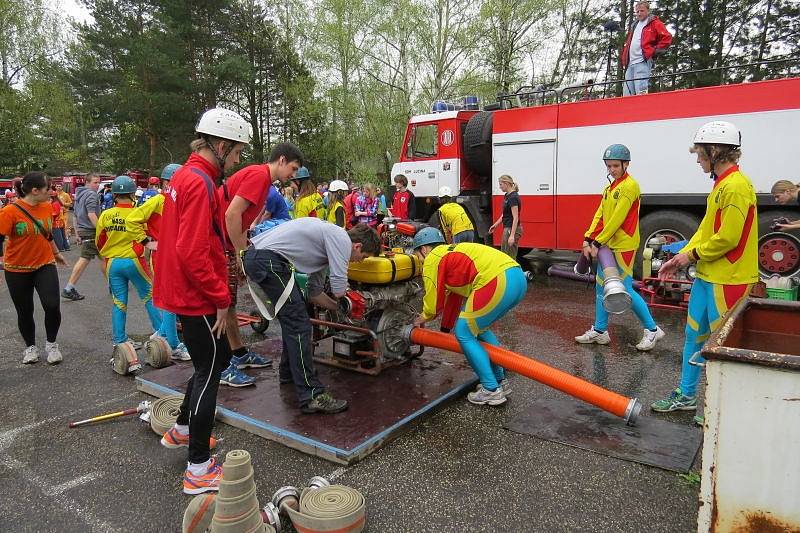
column 191, row 271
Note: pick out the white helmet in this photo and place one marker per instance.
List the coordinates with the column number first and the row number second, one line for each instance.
column 139, row 192
column 718, row 132
column 338, row 185
column 225, row 124
column 445, row 191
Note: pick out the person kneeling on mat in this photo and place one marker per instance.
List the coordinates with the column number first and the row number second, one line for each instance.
column 473, row 286
column 312, row 246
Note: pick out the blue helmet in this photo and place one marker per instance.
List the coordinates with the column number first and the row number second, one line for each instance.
column 123, row 185
column 618, row 152
column 302, row 174
column 428, row 236
column 169, row 171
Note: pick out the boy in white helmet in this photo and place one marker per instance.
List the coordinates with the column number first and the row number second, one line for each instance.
column 724, row 249
column 191, row 281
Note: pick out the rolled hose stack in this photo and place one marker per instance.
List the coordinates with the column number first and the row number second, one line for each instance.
column 627, row 408
column 164, row 412
column 334, row 508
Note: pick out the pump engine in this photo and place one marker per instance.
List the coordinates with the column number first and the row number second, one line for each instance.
column 671, row 293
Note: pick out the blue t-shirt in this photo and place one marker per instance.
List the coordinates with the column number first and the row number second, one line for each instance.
column 108, row 200
column 149, row 193
column 276, row 204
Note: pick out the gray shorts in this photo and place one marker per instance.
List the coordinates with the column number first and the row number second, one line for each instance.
column 88, row 247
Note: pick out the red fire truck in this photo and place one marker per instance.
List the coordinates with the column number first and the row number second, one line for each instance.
column 554, row 153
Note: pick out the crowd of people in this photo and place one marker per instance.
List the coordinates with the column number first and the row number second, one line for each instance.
column 187, row 247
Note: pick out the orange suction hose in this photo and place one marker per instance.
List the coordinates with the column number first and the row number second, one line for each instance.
column 627, row 408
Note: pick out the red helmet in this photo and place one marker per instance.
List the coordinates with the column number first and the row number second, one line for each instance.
column 154, row 180
column 53, row 193
column 10, row 193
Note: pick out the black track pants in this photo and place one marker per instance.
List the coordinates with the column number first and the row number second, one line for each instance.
column 209, row 357
column 272, row 273
column 44, row 281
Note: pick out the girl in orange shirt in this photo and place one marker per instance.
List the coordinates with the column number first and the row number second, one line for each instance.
column 30, row 260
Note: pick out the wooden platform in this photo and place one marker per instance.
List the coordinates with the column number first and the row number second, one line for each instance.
column 381, row 407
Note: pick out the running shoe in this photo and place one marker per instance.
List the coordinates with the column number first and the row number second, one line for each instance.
column 676, row 401
column 251, row 360
column 53, row 353
column 483, row 396
column 324, row 404
column 593, row 336
column 30, row 355
column 71, row 294
column 700, row 420
column 175, row 439
column 233, row 377
column 649, row 339
column 181, row 353
column 209, row 481
column 506, row 386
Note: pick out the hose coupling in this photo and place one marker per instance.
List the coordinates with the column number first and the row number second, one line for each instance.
column 318, row 482
column 271, row 516
column 632, row 411
column 288, row 496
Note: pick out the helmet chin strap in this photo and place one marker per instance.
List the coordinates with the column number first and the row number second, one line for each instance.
column 220, row 158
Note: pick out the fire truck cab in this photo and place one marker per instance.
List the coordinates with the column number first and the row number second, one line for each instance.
column 554, row 153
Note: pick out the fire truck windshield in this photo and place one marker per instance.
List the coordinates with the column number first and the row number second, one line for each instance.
column 422, row 141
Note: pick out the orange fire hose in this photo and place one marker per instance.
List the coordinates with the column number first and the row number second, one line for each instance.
column 627, row 408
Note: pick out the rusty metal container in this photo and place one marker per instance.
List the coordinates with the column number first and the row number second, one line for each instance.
column 751, row 448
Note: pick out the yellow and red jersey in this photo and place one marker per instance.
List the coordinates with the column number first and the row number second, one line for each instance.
column 454, row 220
column 452, row 272
column 310, row 206
column 112, row 236
column 145, row 220
column 726, row 243
column 616, row 222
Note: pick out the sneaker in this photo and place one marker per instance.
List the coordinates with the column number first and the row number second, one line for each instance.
column 675, row 402
column 251, row 360
column 209, row 481
column 181, row 353
column 483, row 396
column 175, row 439
column 71, row 294
column 325, row 404
column 30, row 355
column 233, row 377
column 700, row 420
column 649, row 339
column 593, row 337
column 53, row 353
column 506, row 386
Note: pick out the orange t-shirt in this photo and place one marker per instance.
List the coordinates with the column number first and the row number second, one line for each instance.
column 26, row 249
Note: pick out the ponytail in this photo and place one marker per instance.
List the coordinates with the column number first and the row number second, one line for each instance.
column 30, row 181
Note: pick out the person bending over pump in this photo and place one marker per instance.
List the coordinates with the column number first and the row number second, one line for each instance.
column 309, row 245
column 453, row 220
column 785, row 192
column 242, row 198
column 473, row 286
column 144, row 223
column 616, row 225
column 724, row 248
column 191, row 281
column 124, row 261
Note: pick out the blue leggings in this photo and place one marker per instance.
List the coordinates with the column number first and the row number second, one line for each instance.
column 120, row 271
column 708, row 303
column 473, row 325
column 169, row 328
column 640, row 308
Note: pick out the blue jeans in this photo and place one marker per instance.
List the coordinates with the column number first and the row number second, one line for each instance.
column 61, row 239
column 473, row 325
column 638, row 306
column 464, row 236
column 637, row 86
column 121, row 271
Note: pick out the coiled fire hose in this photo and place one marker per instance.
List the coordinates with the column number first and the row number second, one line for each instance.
column 627, row 408
column 327, row 509
column 164, row 412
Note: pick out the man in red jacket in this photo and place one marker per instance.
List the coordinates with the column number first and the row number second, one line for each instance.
column 647, row 38
column 191, row 281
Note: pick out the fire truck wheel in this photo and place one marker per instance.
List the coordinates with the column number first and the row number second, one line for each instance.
column 778, row 251
column 674, row 225
column 478, row 143
column 259, row 327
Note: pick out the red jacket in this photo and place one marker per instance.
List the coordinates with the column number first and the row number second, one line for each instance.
column 349, row 209
column 191, row 270
column 654, row 37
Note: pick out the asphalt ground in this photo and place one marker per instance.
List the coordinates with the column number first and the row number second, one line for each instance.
column 457, row 471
